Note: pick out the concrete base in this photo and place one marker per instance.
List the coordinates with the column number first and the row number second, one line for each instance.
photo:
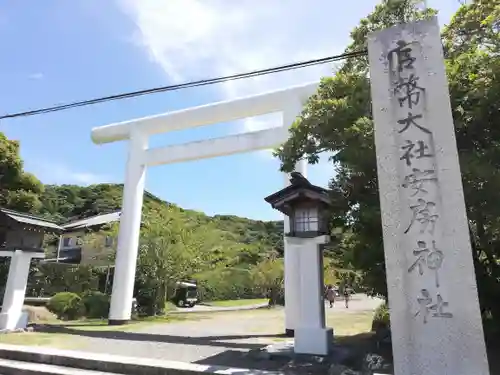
column 8, row 320
column 118, row 322
column 286, row 350
column 314, row 341
column 338, row 361
column 289, row 332
column 12, row 320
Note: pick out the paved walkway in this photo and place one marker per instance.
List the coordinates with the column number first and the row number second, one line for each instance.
column 218, row 338
column 208, row 308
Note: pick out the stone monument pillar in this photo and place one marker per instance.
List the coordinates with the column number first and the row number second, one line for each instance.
column 15, row 289
column 435, row 317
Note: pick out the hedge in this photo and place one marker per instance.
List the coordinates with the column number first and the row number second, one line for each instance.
column 96, row 304
column 67, row 306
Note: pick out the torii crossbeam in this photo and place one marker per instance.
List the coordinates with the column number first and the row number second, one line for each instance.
column 288, row 101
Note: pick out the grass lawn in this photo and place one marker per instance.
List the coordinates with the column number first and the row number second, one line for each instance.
column 345, row 324
column 238, row 302
column 102, row 324
column 64, row 341
column 59, row 341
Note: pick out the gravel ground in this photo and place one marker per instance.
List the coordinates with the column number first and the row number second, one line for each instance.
column 221, row 338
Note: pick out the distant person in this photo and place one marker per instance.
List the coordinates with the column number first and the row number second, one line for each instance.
column 330, row 295
column 346, row 297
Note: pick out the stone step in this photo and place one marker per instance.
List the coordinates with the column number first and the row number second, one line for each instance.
column 10, row 367
column 109, row 364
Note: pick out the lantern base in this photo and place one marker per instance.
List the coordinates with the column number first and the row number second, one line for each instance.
column 315, row 341
column 289, row 332
column 13, row 320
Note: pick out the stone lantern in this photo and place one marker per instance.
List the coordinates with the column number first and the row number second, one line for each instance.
column 306, row 205
column 21, row 240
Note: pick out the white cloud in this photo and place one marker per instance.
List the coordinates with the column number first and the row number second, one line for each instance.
column 50, row 172
column 36, row 76
column 194, row 39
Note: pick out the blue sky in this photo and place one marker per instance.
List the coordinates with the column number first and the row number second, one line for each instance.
column 59, row 51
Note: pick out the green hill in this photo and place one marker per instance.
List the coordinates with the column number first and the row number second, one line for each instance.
column 69, row 202
column 230, row 256
column 227, row 247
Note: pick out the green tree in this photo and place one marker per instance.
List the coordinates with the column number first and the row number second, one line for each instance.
column 168, row 252
column 268, row 275
column 472, row 45
column 225, row 244
column 338, row 119
column 19, row 190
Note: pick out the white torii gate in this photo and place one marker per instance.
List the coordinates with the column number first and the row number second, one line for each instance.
column 288, row 101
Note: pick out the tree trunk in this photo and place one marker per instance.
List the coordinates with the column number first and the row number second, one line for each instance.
column 107, row 280
column 273, row 297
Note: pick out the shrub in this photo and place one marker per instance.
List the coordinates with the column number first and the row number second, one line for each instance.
column 148, row 300
column 67, row 306
column 96, row 304
column 226, row 284
column 381, row 319
column 49, row 279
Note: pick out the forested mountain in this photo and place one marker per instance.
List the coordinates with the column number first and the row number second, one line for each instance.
column 230, row 256
column 233, row 235
column 69, row 202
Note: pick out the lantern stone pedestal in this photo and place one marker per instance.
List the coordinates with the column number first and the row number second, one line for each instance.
column 15, row 290
column 306, row 230
column 311, row 334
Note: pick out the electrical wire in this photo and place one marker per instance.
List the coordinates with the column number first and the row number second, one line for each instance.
column 203, row 82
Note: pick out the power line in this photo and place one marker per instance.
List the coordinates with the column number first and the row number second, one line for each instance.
column 204, row 82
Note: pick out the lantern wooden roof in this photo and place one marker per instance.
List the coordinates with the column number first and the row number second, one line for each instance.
column 30, row 221
column 299, row 190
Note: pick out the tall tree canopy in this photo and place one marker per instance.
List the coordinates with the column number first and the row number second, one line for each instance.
column 19, row 190
column 338, row 119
